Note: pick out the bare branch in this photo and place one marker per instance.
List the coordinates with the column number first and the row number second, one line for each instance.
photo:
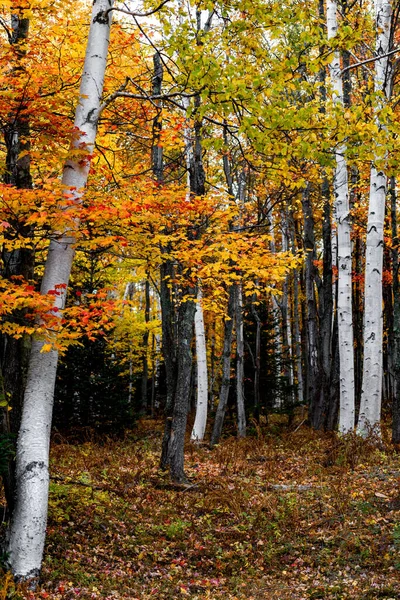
column 370, row 60
column 135, row 14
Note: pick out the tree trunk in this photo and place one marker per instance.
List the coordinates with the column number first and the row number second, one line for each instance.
column 200, row 422
column 371, row 395
column 176, row 440
column 297, row 339
column 342, row 213
column 145, row 364
column 241, row 415
column 169, row 349
column 173, row 446
column 226, row 369
column 396, row 315
column 157, row 150
column 326, row 303
column 313, row 380
column 14, row 353
column 28, row 525
column 257, row 360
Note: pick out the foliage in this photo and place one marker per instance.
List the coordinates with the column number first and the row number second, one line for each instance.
column 266, row 517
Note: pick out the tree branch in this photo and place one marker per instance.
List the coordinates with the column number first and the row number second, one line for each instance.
column 369, row 60
column 135, row 14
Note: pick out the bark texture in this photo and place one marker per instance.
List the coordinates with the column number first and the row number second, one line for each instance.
column 200, row 422
column 396, row 315
column 14, row 353
column 344, row 257
column 226, row 370
column 371, row 395
column 311, row 322
column 28, row 525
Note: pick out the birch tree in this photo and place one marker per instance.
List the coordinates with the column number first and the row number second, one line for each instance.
column 200, row 422
column 344, row 258
column 371, row 394
column 28, row 525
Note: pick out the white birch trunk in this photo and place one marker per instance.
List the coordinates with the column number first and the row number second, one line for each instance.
column 28, row 526
column 200, row 422
column 371, row 394
column 344, row 248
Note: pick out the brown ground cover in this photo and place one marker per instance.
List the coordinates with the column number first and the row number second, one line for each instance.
column 282, row 514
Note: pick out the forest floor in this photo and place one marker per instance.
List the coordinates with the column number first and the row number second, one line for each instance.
column 283, row 514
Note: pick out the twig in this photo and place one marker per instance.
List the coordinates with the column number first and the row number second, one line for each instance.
column 135, row 14
column 369, row 60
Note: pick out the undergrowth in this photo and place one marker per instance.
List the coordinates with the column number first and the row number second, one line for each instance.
column 301, row 516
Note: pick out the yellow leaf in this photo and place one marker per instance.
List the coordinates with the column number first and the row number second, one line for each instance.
column 46, row 348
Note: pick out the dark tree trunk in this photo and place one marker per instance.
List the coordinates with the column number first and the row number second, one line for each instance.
column 14, row 353
column 396, row 315
column 226, row 370
column 313, row 380
column 333, row 410
column 176, row 442
column 157, row 151
column 240, row 399
column 169, row 347
column 179, row 401
column 145, row 372
column 326, row 307
column 257, row 361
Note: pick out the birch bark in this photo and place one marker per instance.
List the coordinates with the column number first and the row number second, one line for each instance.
column 371, row 394
column 342, row 211
column 200, row 422
column 28, row 525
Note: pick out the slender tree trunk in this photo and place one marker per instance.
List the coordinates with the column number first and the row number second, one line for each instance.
column 241, row 415
column 153, row 376
column 28, row 525
column 200, row 422
column 342, row 213
column 176, row 440
column 157, row 150
column 371, row 395
column 276, row 316
column 313, row 380
column 169, row 349
column 333, row 410
column 326, row 302
column 211, row 391
column 297, row 338
column 226, row 369
column 286, row 322
column 145, row 364
column 396, row 314
column 257, row 361
column 388, row 324
column 14, row 353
